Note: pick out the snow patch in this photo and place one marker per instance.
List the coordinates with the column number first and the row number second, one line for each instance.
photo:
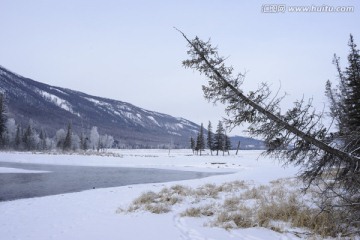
column 60, row 91
column 97, row 102
column 153, row 119
column 56, row 100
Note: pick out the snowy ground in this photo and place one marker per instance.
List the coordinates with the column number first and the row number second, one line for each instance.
column 93, row 214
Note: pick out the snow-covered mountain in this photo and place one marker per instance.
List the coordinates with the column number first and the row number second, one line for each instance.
column 52, row 108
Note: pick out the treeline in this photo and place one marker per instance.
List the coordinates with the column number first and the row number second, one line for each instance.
column 15, row 137
column 217, row 141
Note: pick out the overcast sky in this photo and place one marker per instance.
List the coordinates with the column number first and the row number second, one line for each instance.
column 129, row 51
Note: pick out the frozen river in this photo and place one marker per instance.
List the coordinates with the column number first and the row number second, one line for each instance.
column 65, row 179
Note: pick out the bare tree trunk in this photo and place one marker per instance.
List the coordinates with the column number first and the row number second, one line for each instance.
column 238, row 147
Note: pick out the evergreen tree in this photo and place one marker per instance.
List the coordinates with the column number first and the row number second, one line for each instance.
column 83, row 142
column 210, row 138
column 42, row 136
column 18, row 139
column 200, row 142
column 68, row 140
column 2, row 120
column 28, row 139
column 219, row 138
column 345, row 101
column 352, row 75
column 192, row 144
column 227, row 144
column 197, row 144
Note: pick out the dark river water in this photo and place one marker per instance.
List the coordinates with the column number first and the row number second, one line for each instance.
column 66, row 179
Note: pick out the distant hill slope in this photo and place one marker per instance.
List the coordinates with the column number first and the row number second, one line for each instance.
column 247, row 143
column 52, row 108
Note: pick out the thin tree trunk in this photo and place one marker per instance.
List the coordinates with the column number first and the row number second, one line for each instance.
column 237, row 149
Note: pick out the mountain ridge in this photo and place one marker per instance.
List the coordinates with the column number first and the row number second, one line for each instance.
column 53, row 107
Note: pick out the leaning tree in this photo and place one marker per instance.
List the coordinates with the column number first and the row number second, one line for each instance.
column 296, row 136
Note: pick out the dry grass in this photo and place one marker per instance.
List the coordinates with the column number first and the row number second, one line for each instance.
column 276, row 202
column 253, row 193
column 158, row 202
column 157, row 208
column 236, row 216
column 207, row 210
column 243, row 206
column 208, row 190
column 299, row 215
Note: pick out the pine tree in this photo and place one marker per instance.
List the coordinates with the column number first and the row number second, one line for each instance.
column 345, row 101
column 352, row 75
column 227, row 144
column 192, row 144
column 18, row 139
column 27, row 139
column 197, row 144
column 336, row 97
column 201, row 140
column 210, row 138
column 42, row 144
column 68, row 140
column 83, row 142
column 2, row 120
column 219, row 138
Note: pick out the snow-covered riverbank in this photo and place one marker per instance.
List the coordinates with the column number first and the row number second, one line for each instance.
column 92, row 214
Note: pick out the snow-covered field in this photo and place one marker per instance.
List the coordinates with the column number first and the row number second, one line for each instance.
column 94, row 214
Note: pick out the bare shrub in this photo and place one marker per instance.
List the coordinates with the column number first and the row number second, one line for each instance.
column 253, row 193
column 181, row 190
column 145, row 198
column 235, row 219
column 157, row 208
column 233, row 186
column 192, row 212
column 160, row 202
column 232, row 203
column 208, row 210
column 208, row 190
column 274, row 210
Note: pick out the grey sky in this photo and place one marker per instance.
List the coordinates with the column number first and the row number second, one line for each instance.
column 129, row 51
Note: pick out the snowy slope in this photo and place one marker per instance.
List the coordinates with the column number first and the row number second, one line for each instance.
column 52, row 108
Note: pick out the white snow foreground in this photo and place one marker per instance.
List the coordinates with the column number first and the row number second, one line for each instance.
column 93, row 215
